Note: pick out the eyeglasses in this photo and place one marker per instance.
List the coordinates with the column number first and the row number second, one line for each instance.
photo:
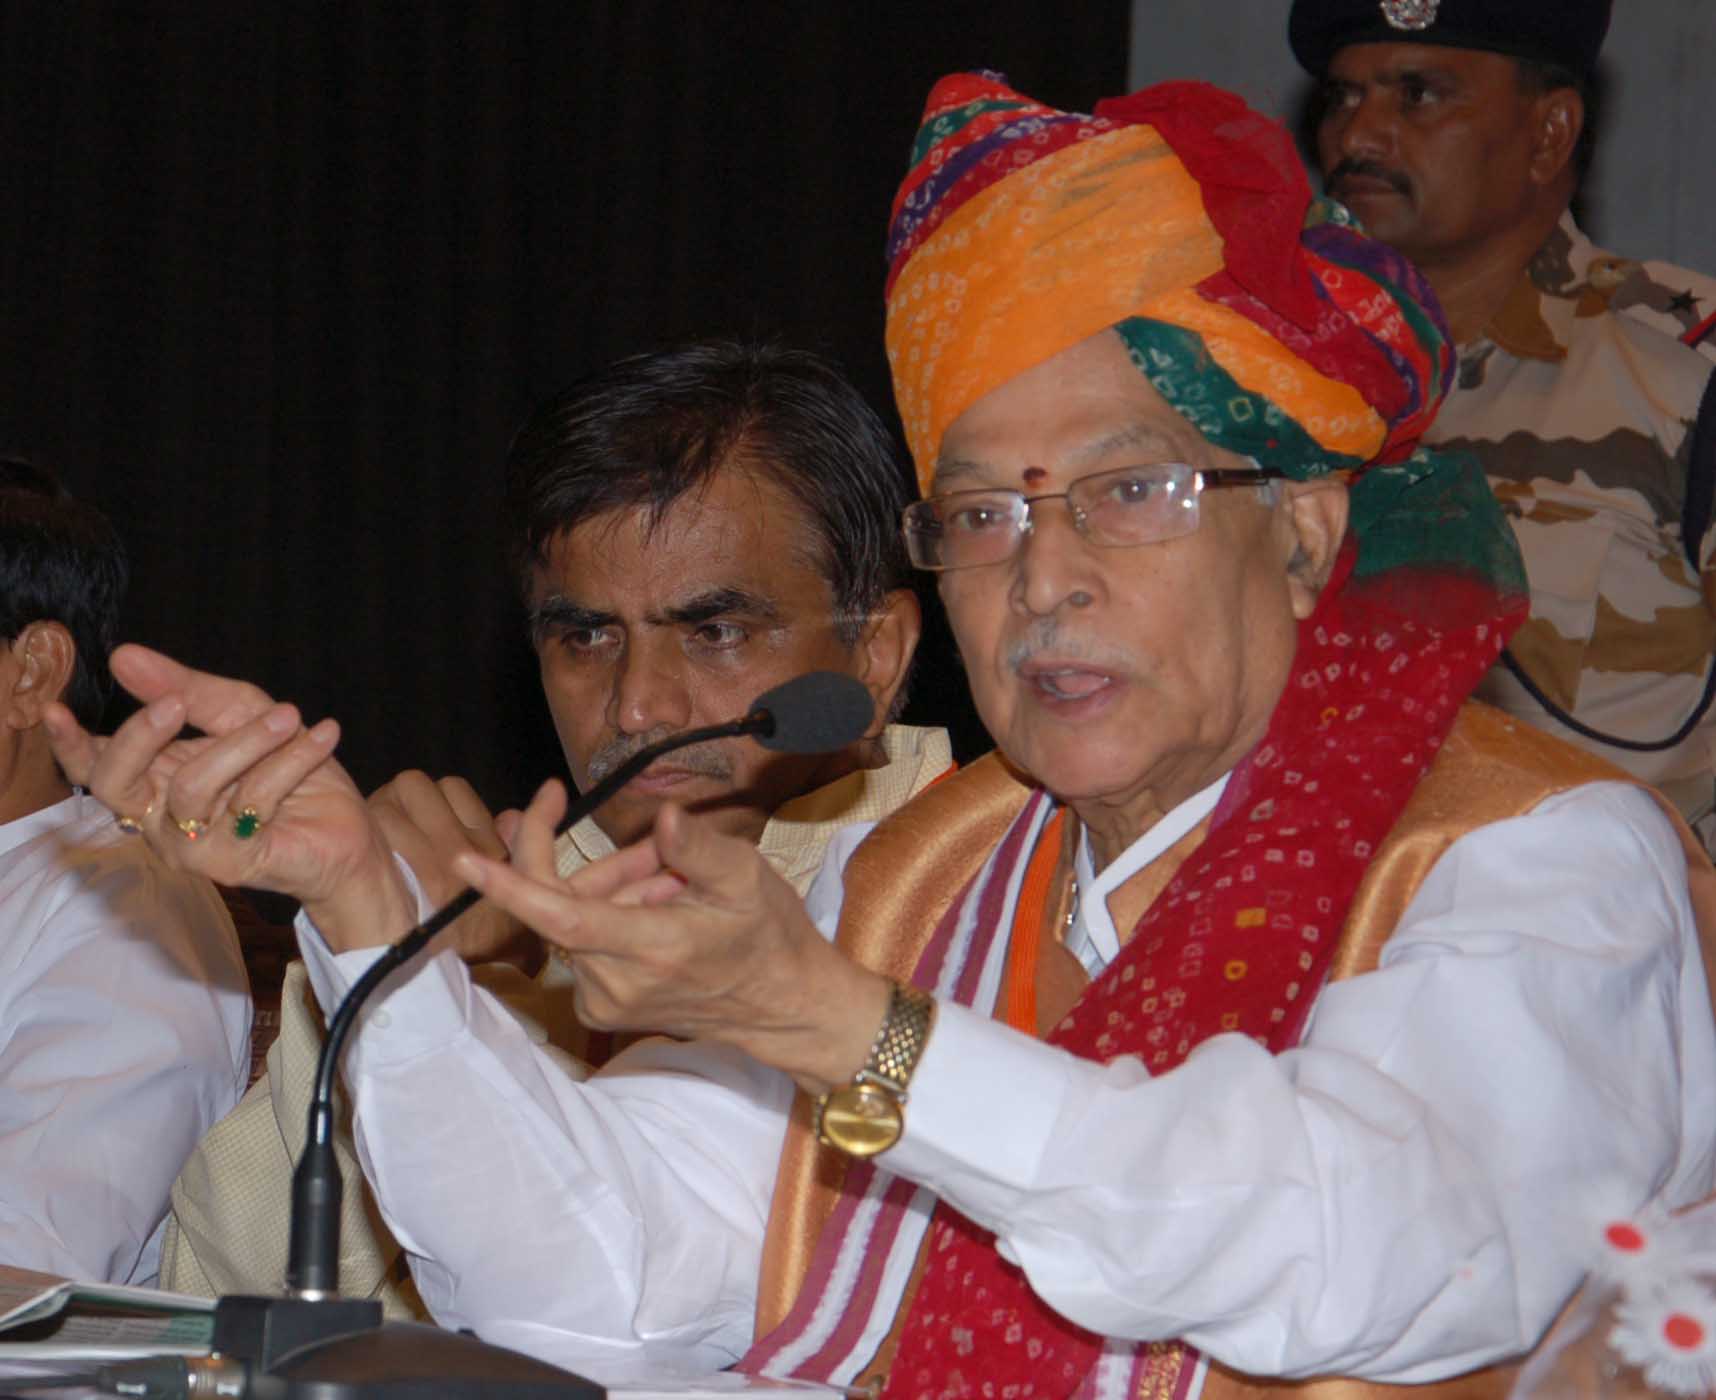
column 1114, row 509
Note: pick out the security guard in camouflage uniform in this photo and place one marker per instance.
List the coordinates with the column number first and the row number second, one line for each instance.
column 1454, row 130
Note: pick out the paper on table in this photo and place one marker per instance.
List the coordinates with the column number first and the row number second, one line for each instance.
column 43, row 1318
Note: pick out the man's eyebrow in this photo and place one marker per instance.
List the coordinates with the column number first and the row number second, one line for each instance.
column 1423, row 72
column 948, row 470
column 719, row 602
column 1139, row 435
column 1414, row 73
column 558, row 613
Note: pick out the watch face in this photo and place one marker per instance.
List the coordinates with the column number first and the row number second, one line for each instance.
column 861, row 1119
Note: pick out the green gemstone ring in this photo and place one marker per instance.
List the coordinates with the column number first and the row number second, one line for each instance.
column 246, row 824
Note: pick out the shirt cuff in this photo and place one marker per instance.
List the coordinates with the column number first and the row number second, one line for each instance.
column 981, row 1111
column 418, row 1009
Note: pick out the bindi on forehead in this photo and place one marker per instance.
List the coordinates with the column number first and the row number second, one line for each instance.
column 1034, row 476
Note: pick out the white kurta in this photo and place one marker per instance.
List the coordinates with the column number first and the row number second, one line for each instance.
column 1409, row 1193
column 124, row 1036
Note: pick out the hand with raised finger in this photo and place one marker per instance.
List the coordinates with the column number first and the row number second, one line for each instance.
column 690, row 932
column 172, row 696
column 214, row 704
column 263, row 804
column 430, row 822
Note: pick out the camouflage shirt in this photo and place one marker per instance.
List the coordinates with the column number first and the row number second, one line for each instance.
column 1579, row 400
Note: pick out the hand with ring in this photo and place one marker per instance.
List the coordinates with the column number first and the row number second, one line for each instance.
column 131, row 826
column 257, row 799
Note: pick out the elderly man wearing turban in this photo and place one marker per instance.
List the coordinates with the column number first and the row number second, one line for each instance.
column 1261, row 1010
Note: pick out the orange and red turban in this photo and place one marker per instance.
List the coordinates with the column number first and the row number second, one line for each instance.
column 1185, row 221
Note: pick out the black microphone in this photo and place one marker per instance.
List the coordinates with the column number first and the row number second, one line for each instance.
column 339, row 1346
column 817, row 712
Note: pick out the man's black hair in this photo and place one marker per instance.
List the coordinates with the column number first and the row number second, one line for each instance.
column 653, row 427
column 60, row 561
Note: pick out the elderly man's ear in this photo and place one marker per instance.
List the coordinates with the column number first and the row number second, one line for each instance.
column 42, row 658
column 1313, row 521
column 885, row 649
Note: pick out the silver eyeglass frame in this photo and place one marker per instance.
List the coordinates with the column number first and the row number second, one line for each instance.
column 919, row 525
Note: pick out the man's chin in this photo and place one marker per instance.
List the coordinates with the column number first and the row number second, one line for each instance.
column 631, row 816
column 1385, row 214
column 624, row 824
column 1073, row 768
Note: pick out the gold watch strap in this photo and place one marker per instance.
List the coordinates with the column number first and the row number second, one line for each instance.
column 900, row 1039
column 867, row 1116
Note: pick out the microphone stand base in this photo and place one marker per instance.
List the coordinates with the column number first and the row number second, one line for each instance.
column 339, row 1349
column 261, row 1330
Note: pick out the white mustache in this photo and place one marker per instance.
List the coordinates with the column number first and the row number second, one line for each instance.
column 1047, row 636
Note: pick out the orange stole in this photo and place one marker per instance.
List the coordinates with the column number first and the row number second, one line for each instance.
column 900, row 882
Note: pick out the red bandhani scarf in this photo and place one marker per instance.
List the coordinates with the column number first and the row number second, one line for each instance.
column 1239, row 941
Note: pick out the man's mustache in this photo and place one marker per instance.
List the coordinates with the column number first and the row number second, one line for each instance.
column 1369, row 170
column 706, row 760
column 1046, row 635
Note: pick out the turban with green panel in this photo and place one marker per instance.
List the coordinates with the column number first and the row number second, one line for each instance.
column 1184, row 221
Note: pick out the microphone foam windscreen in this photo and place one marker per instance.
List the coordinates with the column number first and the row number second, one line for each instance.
column 816, row 713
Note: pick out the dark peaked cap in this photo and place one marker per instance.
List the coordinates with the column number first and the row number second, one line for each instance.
column 1567, row 32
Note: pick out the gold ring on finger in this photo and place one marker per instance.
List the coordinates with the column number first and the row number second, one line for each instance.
column 247, row 823
column 193, row 829
column 132, row 826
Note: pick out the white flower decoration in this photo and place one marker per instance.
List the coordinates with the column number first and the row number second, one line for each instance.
column 1652, row 1248
column 1670, row 1336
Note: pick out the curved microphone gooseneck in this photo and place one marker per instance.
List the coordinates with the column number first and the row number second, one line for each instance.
column 813, row 713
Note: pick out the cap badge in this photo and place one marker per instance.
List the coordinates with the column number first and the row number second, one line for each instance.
column 1410, row 14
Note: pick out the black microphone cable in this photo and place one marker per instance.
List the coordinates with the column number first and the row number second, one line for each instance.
column 1555, row 711
column 150, row 1378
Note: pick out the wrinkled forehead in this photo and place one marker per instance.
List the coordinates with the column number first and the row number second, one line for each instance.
column 1011, row 464
column 738, row 528
column 1083, row 410
column 1386, row 63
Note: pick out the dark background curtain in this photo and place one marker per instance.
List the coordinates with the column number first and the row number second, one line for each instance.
column 278, row 282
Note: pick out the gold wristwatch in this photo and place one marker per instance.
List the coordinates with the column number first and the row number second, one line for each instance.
column 868, row 1115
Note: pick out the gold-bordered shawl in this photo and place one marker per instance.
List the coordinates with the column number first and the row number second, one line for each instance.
column 902, row 879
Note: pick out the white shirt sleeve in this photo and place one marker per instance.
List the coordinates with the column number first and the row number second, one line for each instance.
column 1406, row 1195
column 124, row 1037
column 612, row 1226
column 1413, row 1191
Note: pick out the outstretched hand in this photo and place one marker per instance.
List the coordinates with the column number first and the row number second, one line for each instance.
column 430, row 821
column 690, row 932
column 258, row 800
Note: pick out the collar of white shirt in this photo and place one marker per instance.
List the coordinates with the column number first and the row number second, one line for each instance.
column 1092, row 937
column 78, row 807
